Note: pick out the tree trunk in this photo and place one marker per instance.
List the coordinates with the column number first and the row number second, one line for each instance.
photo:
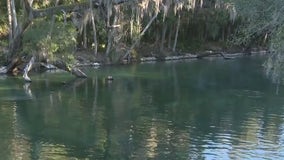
column 10, row 24
column 157, row 38
column 16, row 30
column 85, row 36
column 14, row 17
column 13, row 24
column 111, row 32
column 165, row 26
column 131, row 23
column 53, row 21
column 201, row 3
column 176, row 35
column 109, row 36
column 94, row 29
column 170, row 37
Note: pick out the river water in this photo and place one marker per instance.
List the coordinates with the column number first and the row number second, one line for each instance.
column 205, row 109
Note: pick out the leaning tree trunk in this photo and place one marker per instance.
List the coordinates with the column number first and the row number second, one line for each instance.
column 139, row 37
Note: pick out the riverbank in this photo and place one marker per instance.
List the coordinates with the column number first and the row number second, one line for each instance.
column 207, row 54
column 89, row 59
column 86, row 58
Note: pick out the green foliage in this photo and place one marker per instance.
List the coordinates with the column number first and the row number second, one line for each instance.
column 259, row 18
column 4, row 28
column 264, row 18
column 274, row 65
column 59, row 44
column 197, row 26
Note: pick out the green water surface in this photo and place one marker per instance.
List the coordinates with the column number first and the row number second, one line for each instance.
column 205, row 109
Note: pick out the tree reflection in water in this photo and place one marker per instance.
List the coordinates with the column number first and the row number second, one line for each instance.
column 190, row 110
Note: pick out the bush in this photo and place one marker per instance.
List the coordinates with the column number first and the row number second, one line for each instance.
column 60, row 44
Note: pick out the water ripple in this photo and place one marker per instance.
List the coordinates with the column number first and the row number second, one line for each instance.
column 248, row 93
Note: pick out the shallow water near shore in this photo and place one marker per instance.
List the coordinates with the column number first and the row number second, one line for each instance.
column 205, row 109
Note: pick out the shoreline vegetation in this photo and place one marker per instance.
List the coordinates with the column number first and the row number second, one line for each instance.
column 69, row 34
column 88, row 59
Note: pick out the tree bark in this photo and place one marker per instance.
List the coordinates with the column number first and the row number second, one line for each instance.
column 10, row 24
column 16, row 30
column 165, row 26
column 176, row 35
column 13, row 24
column 53, row 21
column 85, row 36
column 131, row 23
column 170, row 37
column 110, row 30
column 94, row 29
column 14, row 17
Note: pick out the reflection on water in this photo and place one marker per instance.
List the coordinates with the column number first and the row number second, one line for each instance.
column 186, row 110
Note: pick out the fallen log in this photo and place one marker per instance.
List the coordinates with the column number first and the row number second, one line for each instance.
column 145, row 59
column 71, row 69
column 210, row 53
